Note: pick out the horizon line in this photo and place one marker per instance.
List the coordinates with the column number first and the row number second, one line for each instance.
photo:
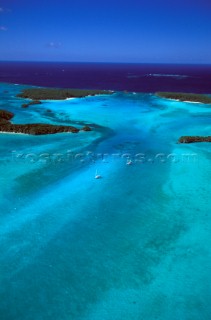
column 107, row 62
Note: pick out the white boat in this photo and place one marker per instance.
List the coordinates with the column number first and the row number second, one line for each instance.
column 129, row 162
column 97, row 176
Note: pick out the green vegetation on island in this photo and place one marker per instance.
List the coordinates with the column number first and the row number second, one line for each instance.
column 33, row 128
column 190, row 97
column 58, row 94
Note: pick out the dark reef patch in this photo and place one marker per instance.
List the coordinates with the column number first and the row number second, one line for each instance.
column 192, row 139
column 26, row 105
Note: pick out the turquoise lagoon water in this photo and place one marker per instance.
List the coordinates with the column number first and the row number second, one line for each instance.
column 132, row 245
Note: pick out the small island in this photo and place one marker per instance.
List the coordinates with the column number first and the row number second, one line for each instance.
column 33, row 128
column 192, row 139
column 185, row 97
column 37, row 94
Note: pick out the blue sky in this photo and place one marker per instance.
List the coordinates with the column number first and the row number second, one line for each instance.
column 142, row 31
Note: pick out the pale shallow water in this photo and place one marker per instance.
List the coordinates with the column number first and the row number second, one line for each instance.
column 132, row 245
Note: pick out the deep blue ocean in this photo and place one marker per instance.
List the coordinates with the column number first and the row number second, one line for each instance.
column 133, row 245
column 131, row 77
